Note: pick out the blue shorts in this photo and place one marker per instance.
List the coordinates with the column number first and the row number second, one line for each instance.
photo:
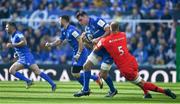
column 82, row 59
column 27, row 60
column 106, row 58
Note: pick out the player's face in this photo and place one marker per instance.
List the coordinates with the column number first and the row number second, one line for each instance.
column 82, row 20
column 8, row 29
column 63, row 22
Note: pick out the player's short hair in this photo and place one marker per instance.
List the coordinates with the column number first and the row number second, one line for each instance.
column 13, row 24
column 115, row 26
column 65, row 17
column 80, row 13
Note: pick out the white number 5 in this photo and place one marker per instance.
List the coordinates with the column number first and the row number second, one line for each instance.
column 120, row 50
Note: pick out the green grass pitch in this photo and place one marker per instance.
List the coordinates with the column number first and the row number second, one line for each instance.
column 40, row 93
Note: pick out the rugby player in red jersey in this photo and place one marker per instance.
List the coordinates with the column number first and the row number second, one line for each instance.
column 116, row 45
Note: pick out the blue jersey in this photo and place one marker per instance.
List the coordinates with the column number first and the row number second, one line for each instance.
column 96, row 27
column 71, row 34
column 24, row 54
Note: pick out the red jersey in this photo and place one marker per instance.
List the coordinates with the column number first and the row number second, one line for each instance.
column 116, row 46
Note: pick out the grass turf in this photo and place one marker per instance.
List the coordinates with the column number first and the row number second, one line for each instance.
column 40, row 93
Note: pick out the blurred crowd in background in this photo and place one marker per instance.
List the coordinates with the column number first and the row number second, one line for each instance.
column 150, row 43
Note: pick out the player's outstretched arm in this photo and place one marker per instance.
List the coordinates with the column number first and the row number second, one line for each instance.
column 80, row 48
column 54, row 43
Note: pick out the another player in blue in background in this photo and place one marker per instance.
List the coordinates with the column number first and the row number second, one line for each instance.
column 25, row 58
column 95, row 28
column 80, row 53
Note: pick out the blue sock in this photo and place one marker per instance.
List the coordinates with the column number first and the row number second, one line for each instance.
column 47, row 78
column 81, row 79
column 21, row 77
column 87, row 75
column 94, row 77
column 109, row 82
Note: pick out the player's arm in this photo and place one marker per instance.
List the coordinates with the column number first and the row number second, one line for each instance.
column 80, row 43
column 57, row 42
column 99, row 45
column 102, row 24
column 76, row 35
column 107, row 31
column 21, row 43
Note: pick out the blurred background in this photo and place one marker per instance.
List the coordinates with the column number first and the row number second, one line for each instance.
column 150, row 26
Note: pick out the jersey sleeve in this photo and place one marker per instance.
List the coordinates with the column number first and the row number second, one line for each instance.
column 18, row 37
column 101, row 23
column 75, row 34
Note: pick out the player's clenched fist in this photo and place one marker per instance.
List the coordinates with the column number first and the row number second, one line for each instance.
column 9, row 45
column 48, row 44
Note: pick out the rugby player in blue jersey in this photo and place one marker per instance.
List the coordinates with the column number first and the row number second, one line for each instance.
column 25, row 57
column 72, row 35
column 95, row 28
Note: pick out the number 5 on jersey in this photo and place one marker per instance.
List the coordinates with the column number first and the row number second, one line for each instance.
column 120, row 50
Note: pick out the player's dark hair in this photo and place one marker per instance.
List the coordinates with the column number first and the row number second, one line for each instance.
column 80, row 13
column 13, row 24
column 66, row 17
column 115, row 26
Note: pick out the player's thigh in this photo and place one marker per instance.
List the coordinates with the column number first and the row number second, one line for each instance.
column 15, row 67
column 35, row 69
column 75, row 70
column 91, row 60
column 129, row 73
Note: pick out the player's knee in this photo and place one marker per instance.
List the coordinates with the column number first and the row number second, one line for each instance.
column 87, row 65
column 103, row 74
column 37, row 72
column 138, row 80
column 12, row 71
column 76, row 75
column 35, row 69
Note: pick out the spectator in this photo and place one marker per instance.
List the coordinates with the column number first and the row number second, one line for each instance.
column 151, row 43
column 166, row 14
column 141, row 53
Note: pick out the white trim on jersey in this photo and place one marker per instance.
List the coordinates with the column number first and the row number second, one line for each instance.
column 20, row 35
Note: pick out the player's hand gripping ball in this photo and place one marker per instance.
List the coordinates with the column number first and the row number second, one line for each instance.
column 88, row 36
